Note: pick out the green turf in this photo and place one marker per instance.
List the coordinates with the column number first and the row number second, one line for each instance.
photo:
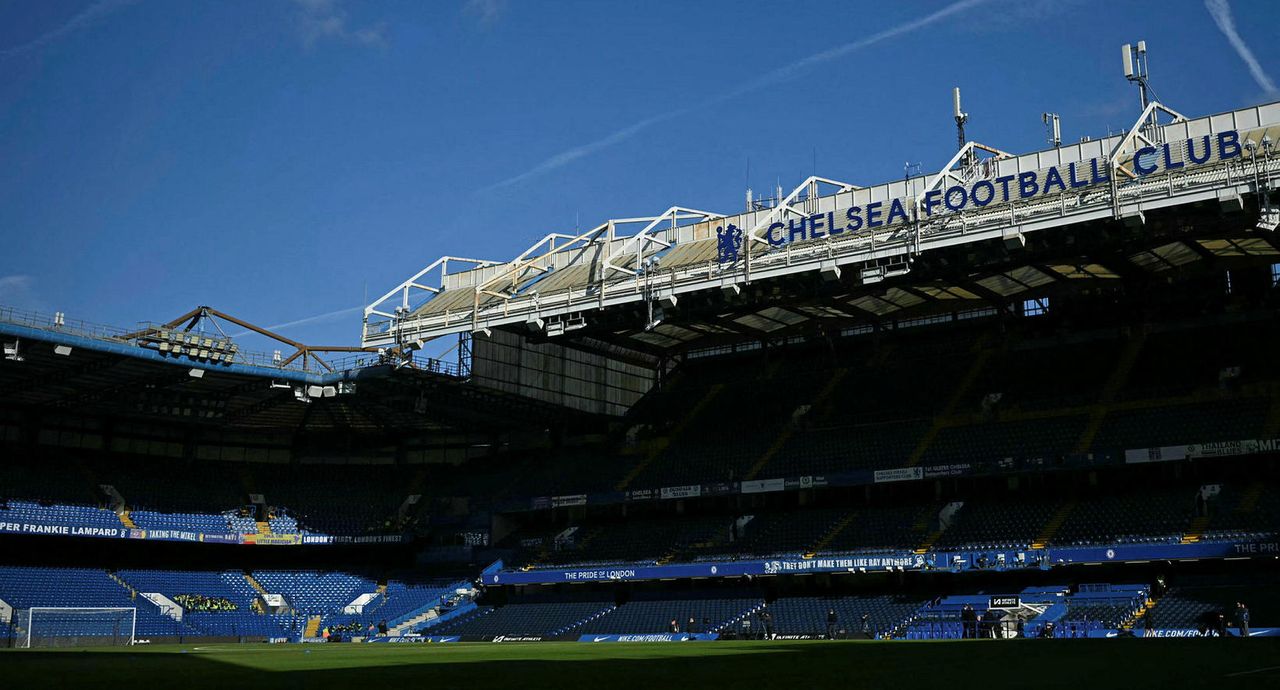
column 1079, row 664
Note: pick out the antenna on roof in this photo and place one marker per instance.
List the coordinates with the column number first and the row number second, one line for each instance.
column 1053, row 129
column 961, row 118
column 1135, row 69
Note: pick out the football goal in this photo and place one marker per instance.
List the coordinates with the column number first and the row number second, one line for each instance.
column 59, row 626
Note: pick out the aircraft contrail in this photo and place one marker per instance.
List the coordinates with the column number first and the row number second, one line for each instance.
column 1221, row 13
column 88, row 16
column 776, row 76
column 302, row 322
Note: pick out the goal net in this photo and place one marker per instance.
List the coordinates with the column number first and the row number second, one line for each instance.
column 51, row 626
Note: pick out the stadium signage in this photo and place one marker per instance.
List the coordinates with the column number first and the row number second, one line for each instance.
column 688, row 491
column 1029, row 185
column 902, row 474
column 61, row 530
column 950, row 561
column 36, row 528
column 1188, row 632
column 658, row 637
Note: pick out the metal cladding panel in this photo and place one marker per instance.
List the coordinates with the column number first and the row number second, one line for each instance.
column 690, row 253
column 457, row 299
column 565, row 278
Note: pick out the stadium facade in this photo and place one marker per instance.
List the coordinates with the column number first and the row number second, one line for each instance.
column 1037, row 386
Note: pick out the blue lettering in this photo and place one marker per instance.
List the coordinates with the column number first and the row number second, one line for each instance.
column 1169, row 163
column 815, row 226
column 991, row 193
column 1004, row 181
column 777, row 241
column 964, row 198
column 930, row 201
column 897, row 211
column 1191, row 151
column 1141, row 169
column 1027, row 184
column 1051, row 178
column 831, row 224
column 793, row 229
column 1228, row 144
column 1071, row 175
column 873, row 214
column 1098, row 176
column 854, row 214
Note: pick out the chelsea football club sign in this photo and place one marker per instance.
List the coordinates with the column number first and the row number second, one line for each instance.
column 1029, row 185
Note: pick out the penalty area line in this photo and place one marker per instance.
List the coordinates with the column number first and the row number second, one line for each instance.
column 1256, row 670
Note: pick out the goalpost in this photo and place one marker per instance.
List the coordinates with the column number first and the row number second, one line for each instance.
column 71, row 626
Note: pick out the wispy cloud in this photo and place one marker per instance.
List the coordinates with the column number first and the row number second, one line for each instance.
column 1220, row 10
column 779, row 75
column 18, row 290
column 320, row 20
column 485, row 12
column 568, row 156
column 86, row 18
column 13, row 283
column 318, row 318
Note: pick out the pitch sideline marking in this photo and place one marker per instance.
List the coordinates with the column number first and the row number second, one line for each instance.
column 1256, row 670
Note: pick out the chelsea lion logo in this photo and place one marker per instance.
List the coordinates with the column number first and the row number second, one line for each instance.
column 728, row 243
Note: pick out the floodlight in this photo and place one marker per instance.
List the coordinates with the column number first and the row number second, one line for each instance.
column 64, row 350
column 196, row 373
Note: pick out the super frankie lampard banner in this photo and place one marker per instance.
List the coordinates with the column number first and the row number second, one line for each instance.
column 37, row 527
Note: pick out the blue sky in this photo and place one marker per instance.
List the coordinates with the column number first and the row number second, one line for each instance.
column 272, row 158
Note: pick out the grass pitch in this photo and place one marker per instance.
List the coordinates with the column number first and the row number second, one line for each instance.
column 1078, row 664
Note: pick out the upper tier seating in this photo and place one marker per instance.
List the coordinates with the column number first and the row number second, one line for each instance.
column 1153, row 516
column 997, row 523
column 58, row 514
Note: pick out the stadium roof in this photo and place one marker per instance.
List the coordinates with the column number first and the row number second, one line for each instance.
column 968, row 234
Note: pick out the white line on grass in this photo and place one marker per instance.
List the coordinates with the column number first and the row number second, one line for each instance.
column 1256, row 670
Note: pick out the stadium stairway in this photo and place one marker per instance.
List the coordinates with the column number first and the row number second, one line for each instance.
column 133, row 593
column 790, row 429
column 263, row 527
column 659, row 448
column 1147, row 604
column 257, row 586
column 1119, row 376
column 958, row 393
column 126, row 520
column 1051, row 527
column 1195, row 530
column 312, row 628
column 921, row 526
column 831, row 534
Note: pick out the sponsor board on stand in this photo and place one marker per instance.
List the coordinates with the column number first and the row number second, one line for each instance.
column 652, row 637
